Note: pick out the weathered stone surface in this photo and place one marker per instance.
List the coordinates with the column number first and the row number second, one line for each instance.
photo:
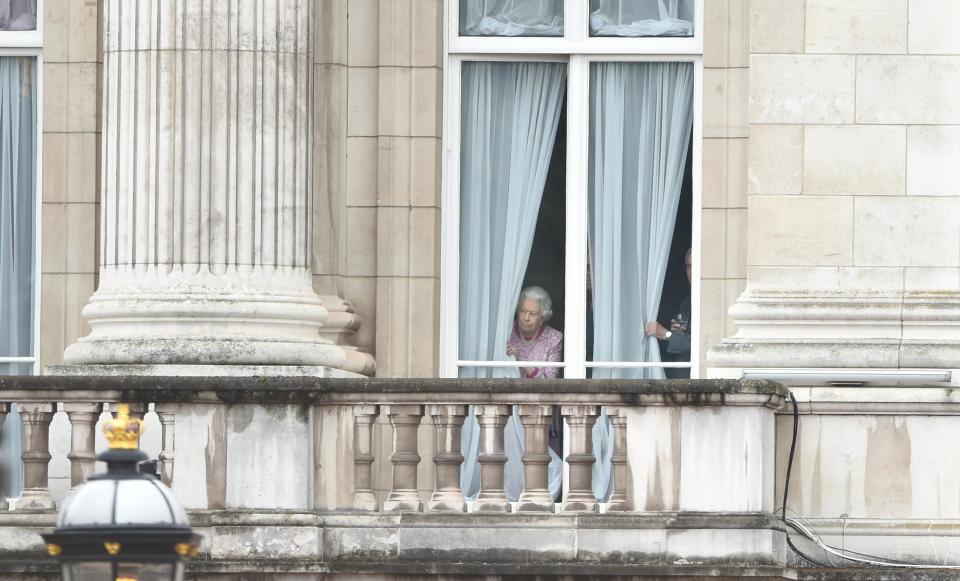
column 802, row 89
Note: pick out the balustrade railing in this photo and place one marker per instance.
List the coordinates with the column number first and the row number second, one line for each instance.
column 411, row 413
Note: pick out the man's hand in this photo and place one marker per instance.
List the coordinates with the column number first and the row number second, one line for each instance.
column 655, row 329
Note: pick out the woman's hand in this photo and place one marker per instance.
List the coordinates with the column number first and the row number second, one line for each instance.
column 655, row 329
column 512, row 350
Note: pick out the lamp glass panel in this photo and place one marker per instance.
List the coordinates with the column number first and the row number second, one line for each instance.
column 92, row 571
column 141, row 502
column 145, row 572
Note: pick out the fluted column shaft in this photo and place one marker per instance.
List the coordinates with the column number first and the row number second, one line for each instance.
column 206, row 230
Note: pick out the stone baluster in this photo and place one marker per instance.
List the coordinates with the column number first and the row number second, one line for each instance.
column 536, row 421
column 448, row 426
column 168, row 418
column 83, row 430
column 404, row 495
column 364, row 417
column 4, row 410
column 36, row 418
column 580, row 419
column 492, row 496
column 619, row 498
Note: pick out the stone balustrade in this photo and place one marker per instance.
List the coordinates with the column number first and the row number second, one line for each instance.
column 331, row 473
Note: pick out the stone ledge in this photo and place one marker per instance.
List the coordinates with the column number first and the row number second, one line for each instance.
column 319, row 390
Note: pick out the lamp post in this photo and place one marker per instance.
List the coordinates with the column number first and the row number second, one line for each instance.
column 123, row 525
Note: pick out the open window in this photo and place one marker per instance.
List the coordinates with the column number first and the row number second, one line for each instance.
column 575, row 172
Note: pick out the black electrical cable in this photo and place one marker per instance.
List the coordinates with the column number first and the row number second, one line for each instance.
column 793, row 447
column 786, row 485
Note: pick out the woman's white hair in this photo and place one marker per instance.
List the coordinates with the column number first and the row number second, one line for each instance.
column 542, row 297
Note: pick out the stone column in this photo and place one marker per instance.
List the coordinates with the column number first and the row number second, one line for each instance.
column 404, row 494
column 536, row 457
column 206, row 225
column 580, row 419
column 83, row 424
column 36, row 418
column 448, row 426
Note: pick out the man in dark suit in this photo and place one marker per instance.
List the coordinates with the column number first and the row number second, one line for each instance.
column 678, row 335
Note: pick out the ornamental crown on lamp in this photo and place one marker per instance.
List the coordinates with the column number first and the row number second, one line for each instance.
column 123, row 432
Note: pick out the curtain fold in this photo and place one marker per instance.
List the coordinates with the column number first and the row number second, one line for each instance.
column 510, row 115
column 511, row 17
column 641, row 119
column 17, row 207
column 641, row 17
column 18, row 15
column 17, row 187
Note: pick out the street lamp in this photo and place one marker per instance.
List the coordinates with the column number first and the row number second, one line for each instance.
column 124, row 525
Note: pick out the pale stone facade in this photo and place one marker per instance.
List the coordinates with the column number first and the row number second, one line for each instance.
column 830, row 228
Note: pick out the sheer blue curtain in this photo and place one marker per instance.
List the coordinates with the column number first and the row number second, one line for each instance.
column 18, row 14
column 511, row 17
column 510, row 114
column 641, row 17
column 18, row 151
column 641, row 119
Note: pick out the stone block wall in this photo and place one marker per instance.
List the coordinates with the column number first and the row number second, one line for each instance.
column 379, row 110
column 71, row 171
column 854, row 250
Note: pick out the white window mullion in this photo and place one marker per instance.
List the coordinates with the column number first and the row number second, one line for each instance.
column 697, row 211
column 576, row 16
column 450, row 226
column 578, row 122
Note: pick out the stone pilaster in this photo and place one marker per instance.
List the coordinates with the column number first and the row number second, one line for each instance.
column 206, row 214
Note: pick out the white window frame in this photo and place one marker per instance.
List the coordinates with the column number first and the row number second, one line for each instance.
column 29, row 43
column 578, row 50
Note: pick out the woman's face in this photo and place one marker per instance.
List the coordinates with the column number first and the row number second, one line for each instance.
column 529, row 317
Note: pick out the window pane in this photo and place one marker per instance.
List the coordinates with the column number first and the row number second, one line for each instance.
column 18, row 14
column 511, row 17
column 641, row 17
column 17, row 204
column 510, row 119
column 641, row 121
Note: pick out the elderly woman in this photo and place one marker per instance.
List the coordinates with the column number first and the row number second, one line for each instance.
column 532, row 339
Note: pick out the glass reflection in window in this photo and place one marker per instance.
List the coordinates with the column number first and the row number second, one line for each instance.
column 18, row 15
column 641, row 17
column 511, row 17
